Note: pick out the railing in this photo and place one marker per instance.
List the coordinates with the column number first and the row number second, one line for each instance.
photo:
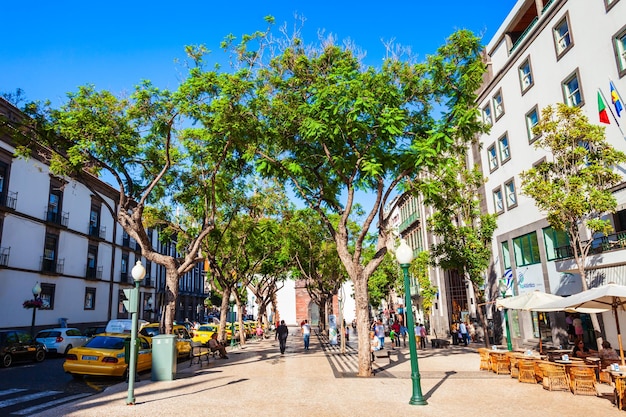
column 4, row 256
column 523, row 35
column 598, row 245
column 57, row 218
column 547, row 6
column 9, row 200
column 93, row 273
column 409, row 221
column 52, row 266
column 96, row 231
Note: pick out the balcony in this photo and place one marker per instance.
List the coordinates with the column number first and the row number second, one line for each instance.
column 57, row 218
column 99, row 232
column 94, row 273
column 605, row 251
column 4, row 256
column 52, row 266
column 8, row 200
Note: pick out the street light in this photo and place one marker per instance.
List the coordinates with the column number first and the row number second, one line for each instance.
column 232, row 319
column 503, row 289
column 404, row 256
column 138, row 272
column 36, row 293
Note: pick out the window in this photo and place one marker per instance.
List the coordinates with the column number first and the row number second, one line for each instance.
column 49, row 260
column 511, row 196
column 93, row 272
column 572, row 93
column 487, row 115
column 525, row 76
column 506, row 256
column 121, row 310
column 124, row 268
column 498, row 204
column 47, row 296
column 54, row 206
column 609, row 4
column 532, row 118
column 90, row 298
column 125, row 239
column 526, row 250
column 147, row 279
column 503, row 146
column 619, row 45
column 94, row 221
column 562, row 37
column 554, row 240
column 493, row 158
column 498, row 105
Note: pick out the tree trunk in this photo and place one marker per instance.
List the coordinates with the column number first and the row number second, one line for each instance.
column 362, row 320
column 171, row 290
column 223, row 316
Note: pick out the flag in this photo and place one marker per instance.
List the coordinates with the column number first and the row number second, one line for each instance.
column 616, row 100
column 604, row 118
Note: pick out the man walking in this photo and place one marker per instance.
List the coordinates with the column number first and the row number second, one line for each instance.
column 379, row 330
column 306, row 333
column 463, row 331
column 281, row 335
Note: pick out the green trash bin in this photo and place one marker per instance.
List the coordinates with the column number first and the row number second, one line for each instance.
column 163, row 357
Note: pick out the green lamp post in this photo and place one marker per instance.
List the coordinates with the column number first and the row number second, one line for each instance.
column 138, row 272
column 503, row 289
column 232, row 319
column 404, row 256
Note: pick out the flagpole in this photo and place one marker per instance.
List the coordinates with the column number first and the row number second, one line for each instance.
column 611, row 110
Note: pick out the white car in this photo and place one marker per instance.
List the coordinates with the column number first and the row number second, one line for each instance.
column 60, row 340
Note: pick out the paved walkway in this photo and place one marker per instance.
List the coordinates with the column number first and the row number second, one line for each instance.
column 257, row 380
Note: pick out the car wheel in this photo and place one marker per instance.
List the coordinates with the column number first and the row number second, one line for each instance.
column 7, row 360
column 67, row 349
column 40, row 355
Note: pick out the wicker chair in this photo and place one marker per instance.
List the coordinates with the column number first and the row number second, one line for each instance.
column 539, row 366
column 485, row 363
column 502, row 363
column 555, row 377
column 526, row 371
column 583, row 381
column 620, row 392
column 604, row 376
column 514, row 369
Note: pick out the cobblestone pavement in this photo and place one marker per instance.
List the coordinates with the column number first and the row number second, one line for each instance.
column 258, row 380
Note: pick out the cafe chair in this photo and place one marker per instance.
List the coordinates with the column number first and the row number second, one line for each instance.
column 555, row 378
column 485, row 363
column 502, row 364
column 526, row 371
column 583, row 381
column 513, row 360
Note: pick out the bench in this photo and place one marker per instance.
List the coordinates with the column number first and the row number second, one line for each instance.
column 199, row 352
column 381, row 357
column 439, row 343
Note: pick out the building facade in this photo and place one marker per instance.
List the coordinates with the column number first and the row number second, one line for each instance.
column 548, row 52
column 55, row 232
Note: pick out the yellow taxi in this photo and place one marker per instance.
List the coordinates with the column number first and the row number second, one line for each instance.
column 203, row 333
column 183, row 338
column 104, row 355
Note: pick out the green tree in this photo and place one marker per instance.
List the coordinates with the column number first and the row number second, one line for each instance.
column 573, row 185
column 332, row 127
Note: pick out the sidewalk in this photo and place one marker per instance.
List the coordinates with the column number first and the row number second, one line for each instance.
column 258, row 380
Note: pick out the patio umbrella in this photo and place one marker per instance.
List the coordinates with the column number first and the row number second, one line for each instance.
column 530, row 301
column 598, row 299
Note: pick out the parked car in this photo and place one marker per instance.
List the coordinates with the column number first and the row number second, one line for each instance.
column 104, row 355
column 123, row 325
column 183, row 341
column 204, row 332
column 16, row 345
column 60, row 340
column 91, row 331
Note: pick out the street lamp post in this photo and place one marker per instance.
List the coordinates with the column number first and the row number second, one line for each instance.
column 404, row 256
column 36, row 294
column 138, row 272
column 503, row 288
column 232, row 319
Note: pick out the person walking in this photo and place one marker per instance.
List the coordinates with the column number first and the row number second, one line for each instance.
column 396, row 329
column 379, row 330
column 463, row 331
column 423, row 336
column 306, row 334
column 281, row 335
column 418, row 335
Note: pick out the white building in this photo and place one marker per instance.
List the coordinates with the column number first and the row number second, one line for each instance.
column 56, row 232
column 547, row 51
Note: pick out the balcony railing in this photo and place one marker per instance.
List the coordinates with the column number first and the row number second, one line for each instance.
column 93, row 273
column 523, row 35
column 52, row 266
column 598, row 245
column 99, row 232
column 4, row 256
column 58, row 218
column 9, row 200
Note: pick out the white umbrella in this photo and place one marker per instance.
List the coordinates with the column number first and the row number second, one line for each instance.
column 598, row 299
column 530, row 301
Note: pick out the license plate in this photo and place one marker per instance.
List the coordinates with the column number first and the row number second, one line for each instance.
column 90, row 358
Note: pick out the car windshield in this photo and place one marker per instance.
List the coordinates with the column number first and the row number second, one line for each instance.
column 106, row 342
column 45, row 334
column 206, row 329
column 150, row 331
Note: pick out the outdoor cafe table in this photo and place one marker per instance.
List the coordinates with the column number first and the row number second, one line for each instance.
column 619, row 380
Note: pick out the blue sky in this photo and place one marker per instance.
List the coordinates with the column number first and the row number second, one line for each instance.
column 50, row 48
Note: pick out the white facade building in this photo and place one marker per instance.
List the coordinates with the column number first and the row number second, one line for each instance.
column 546, row 52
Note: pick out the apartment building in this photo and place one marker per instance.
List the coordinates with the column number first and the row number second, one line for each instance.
column 56, row 233
column 546, row 52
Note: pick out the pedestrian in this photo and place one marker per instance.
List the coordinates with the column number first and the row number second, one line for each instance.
column 418, row 336
column 395, row 327
column 463, row 332
column 281, row 335
column 403, row 332
column 306, row 333
column 379, row 330
column 578, row 328
column 423, row 336
column 374, row 344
